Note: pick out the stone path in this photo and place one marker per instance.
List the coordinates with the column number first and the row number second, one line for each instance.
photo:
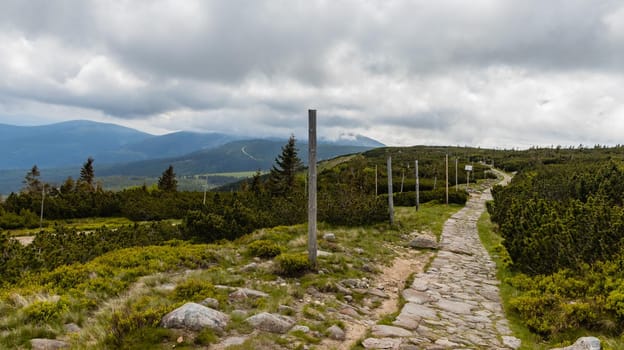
column 456, row 303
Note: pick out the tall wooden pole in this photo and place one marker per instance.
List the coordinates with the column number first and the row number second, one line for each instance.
column 390, row 194
column 312, row 248
column 455, row 174
column 417, row 188
column 376, row 193
column 402, row 179
column 42, row 199
column 447, row 179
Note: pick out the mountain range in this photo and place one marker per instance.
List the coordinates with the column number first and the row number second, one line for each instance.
column 120, row 151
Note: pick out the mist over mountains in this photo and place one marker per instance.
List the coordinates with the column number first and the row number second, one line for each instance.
column 120, row 151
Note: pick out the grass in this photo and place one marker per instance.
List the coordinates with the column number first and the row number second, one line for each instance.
column 84, row 224
column 130, row 282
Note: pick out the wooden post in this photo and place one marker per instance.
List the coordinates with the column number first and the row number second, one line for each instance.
column 417, row 188
column 376, row 193
column 456, row 174
column 42, row 199
column 447, row 179
column 402, row 179
column 205, row 189
column 390, row 194
column 312, row 248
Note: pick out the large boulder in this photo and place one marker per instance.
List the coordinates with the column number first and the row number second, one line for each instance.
column 271, row 322
column 48, row 344
column 195, row 317
column 424, row 242
column 585, row 343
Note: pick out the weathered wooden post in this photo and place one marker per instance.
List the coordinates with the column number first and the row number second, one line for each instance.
column 417, row 188
column 376, row 193
column 456, row 174
column 312, row 248
column 402, row 179
column 390, row 194
column 42, row 200
column 447, row 179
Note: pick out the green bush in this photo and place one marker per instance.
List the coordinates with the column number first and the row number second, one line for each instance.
column 292, row 264
column 194, row 290
column 264, row 249
column 43, row 312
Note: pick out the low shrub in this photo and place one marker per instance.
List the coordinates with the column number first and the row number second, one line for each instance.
column 194, row 290
column 264, row 249
column 292, row 264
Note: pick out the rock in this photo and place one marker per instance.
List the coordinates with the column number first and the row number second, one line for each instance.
column 378, row 293
column 383, row 331
column 349, row 311
column 300, row 328
column 358, row 250
column 232, row 341
column 195, row 317
column 286, row 310
column 250, row 267
column 271, row 322
column 511, row 342
column 354, row 283
column 414, row 296
column 424, row 242
column 322, row 253
column 455, row 307
column 329, row 237
column 585, row 343
column 245, row 293
column 336, row 333
column 48, row 344
column 315, row 314
column 210, row 302
column 383, row 343
column 72, row 328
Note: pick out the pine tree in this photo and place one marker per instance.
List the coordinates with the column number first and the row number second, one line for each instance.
column 167, row 181
column 287, row 164
column 31, row 181
column 87, row 175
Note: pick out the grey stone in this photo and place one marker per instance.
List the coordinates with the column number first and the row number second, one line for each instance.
column 336, row 333
column 354, row 283
column 271, row 322
column 245, row 293
column 285, row 309
column 210, row 302
column 48, row 344
column 584, row 343
column 349, row 311
column 424, row 242
column 250, row 267
column 232, row 341
column 329, row 237
column 378, row 293
column 383, row 343
column 414, row 296
column 455, row 307
column 383, row 331
column 300, row 328
column 195, row 317
column 511, row 342
column 71, row 328
column 417, row 311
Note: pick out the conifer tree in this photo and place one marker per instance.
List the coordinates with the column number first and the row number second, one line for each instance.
column 167, row 181
column 31, row 181
column 87, row 175
column 287, row 164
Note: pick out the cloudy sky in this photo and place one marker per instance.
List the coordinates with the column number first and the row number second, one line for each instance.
column 490, row 73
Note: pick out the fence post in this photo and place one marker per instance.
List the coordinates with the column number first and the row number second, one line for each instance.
column 390, row 192
column 312, row 246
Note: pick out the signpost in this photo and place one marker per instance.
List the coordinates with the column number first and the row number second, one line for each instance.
column 312, row 247
column 468, row 170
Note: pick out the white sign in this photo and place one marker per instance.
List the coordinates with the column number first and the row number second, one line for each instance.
column 468, row 168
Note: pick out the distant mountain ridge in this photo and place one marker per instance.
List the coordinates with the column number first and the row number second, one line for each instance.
column 60, row 149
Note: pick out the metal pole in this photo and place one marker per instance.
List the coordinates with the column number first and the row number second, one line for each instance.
column 312, row 247
column 390, row 194
column 417, row 188
column 447, row 179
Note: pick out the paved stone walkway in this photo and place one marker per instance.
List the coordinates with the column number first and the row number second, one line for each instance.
column 456, row 303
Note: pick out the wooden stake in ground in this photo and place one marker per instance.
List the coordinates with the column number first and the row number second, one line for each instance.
column 455, row 174
column 417, row 188
column 447, row 179
column 376, row 193
column 390, row 194
column 312, row 247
